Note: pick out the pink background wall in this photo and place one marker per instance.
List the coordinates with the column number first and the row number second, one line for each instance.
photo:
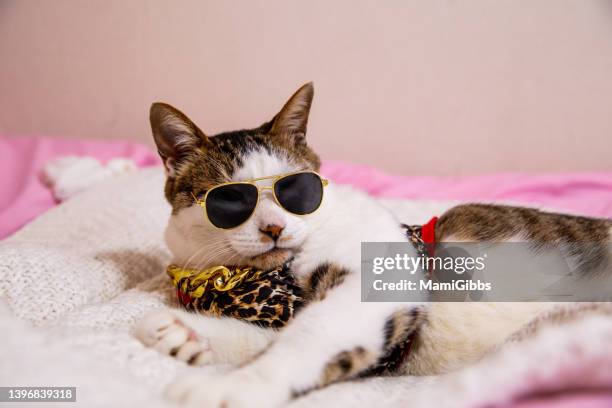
column 417, row 87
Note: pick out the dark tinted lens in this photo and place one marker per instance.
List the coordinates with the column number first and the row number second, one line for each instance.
column 230, row 205
column 299, row 193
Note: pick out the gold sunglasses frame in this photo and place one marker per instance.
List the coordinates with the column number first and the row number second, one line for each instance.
column 260, row 189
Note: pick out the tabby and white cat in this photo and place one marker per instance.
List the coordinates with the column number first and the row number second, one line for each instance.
column 335, row 337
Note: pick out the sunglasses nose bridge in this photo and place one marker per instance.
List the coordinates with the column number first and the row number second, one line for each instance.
column 265, row 190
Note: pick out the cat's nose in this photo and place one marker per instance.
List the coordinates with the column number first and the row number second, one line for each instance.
column 272, row 230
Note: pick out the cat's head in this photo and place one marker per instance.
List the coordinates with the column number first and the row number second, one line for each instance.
column 195, row 162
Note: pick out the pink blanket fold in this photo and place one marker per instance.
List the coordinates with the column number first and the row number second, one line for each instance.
column 583, row 193
column 23, row 196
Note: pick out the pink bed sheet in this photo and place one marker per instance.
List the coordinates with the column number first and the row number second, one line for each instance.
column 582, row 193
column 23, row 196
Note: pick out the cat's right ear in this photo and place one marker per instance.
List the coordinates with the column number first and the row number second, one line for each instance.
column 293, row 117
column 176, row 136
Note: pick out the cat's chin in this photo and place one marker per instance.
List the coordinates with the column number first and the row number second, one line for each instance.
column 271, row 259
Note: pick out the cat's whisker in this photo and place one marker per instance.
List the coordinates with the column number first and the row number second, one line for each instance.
column 218, row 252
column 214, row 248
column 196, row 253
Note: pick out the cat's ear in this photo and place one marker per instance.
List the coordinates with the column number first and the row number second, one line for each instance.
column 293, row 117
column 176, row 136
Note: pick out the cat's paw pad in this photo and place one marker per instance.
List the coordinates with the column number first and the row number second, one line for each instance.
column 164, row 332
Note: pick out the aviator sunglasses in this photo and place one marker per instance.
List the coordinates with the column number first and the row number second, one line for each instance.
column 229, row 205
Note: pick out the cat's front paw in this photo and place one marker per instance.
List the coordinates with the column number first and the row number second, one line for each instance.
column 163, row 331
column 238, row 389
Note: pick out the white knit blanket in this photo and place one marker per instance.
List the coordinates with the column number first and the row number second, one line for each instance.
column 74, row 281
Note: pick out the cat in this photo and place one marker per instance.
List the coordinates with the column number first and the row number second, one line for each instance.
column 335, row 337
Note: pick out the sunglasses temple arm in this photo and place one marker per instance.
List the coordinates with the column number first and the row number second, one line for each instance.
column 196, row 199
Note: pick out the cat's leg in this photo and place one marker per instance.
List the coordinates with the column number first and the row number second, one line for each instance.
column 334, row 338
column 200, row 340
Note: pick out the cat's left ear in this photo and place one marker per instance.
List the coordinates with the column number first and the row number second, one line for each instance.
column 293, row 117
